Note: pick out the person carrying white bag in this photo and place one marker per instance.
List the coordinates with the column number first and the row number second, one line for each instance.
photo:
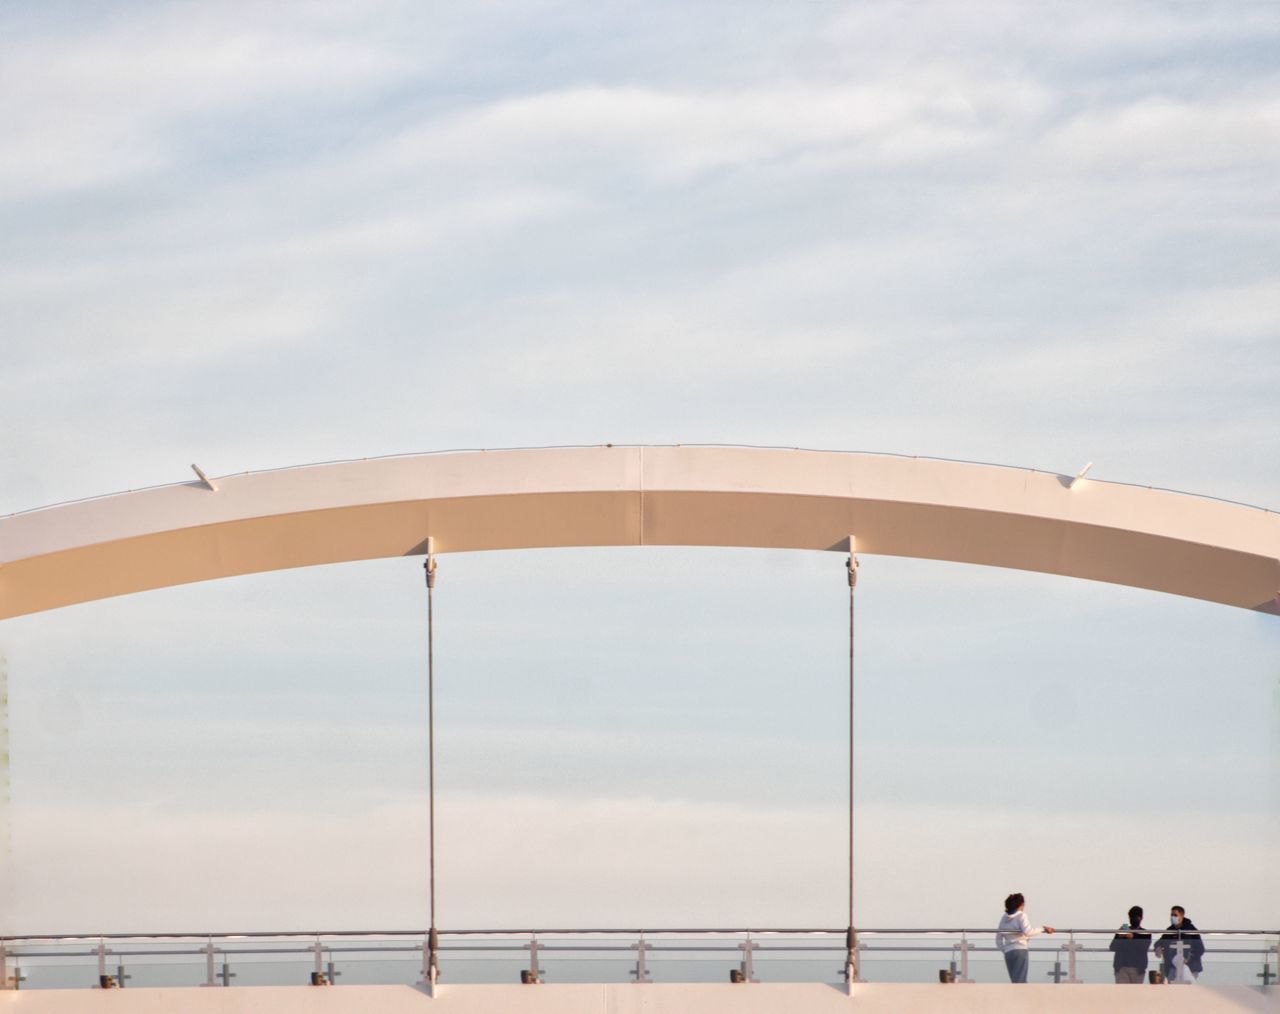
column 1180, row 948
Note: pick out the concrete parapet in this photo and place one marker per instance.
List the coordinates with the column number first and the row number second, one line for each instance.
column 699, row 998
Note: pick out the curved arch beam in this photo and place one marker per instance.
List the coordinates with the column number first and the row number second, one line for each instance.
column 626, row 496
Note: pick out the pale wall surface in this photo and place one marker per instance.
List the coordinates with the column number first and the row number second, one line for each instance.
column 871, row 998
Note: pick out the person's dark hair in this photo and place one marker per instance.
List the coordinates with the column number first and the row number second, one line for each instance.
column 1012, row 902
column 1179, row 909
column 1135, row 915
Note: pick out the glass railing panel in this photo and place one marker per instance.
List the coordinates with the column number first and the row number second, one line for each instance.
column 373, row 971
column 569, row 969
column 151, row 972
column 772, row 967
column 55, row 974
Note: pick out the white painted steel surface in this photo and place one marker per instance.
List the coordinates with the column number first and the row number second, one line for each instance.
column 626, row 496
column 870, row 998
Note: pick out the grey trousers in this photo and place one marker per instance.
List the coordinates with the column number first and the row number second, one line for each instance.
column 1016, row 961
column 1128, row 975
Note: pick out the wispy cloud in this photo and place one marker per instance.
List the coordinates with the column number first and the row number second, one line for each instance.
column 1163, row 135
column 104, row 101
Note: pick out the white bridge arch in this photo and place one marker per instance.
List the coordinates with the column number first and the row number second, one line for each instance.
column 626, row 496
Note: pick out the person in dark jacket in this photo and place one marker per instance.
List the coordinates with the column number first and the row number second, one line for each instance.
column 1130, row 947
column 1181, row 930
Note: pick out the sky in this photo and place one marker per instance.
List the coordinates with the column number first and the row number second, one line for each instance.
column 252, row 236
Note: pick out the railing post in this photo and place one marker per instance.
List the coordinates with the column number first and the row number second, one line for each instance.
column 748, row 963
column 532, row 976
column 226, row 974
column 964, row 959
column 1072, row 948
column 210, row 977
column 331, row 972
column 104, row 980
column 121, row 977
column 1179, row 958
column 4, row 968
column 319, row 953
column 641, row 971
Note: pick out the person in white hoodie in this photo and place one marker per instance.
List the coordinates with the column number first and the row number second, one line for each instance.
column 1014, row 931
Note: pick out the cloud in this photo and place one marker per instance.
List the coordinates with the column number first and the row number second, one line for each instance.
column 672, row 136
column 1162, row 135
column 256, row 235
column 1120, row 46
column 1183, row 337
column 97, row 104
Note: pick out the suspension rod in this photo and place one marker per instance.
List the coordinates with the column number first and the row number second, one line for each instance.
column 852, row 566
column 429, row 568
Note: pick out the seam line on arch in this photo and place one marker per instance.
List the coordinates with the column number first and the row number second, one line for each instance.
column 641, row 538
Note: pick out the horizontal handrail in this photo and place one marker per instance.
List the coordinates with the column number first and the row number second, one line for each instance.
column 835, row 946
column 660, row 931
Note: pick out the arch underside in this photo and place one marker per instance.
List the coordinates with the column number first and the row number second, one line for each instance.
column 676, row 496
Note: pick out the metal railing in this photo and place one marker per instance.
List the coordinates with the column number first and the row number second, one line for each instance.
column 1240, row 957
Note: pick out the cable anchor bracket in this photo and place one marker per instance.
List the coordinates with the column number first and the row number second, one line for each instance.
column 429, row 564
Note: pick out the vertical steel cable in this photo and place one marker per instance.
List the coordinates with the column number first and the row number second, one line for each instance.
column 851, row 589
column 851, row 938
column 430, row 568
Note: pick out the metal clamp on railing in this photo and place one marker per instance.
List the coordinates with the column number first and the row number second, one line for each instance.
column 1266, row 975
column 850, row 971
